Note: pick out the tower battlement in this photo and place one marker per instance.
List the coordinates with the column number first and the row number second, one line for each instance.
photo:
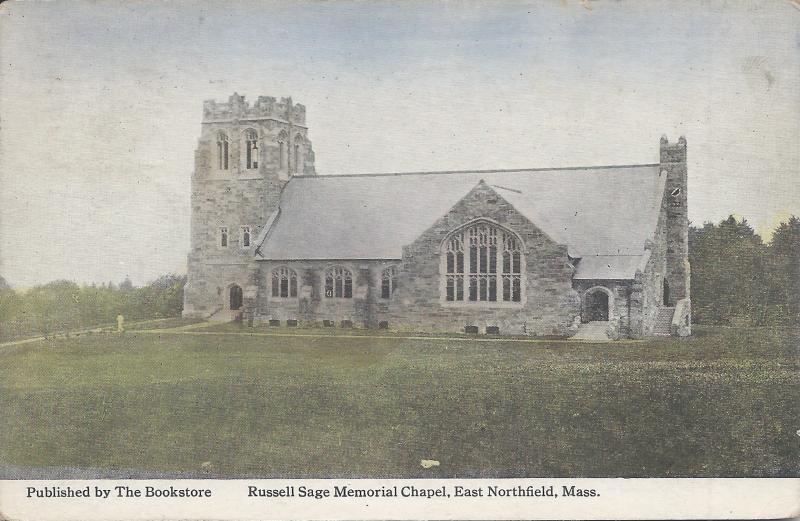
column 673, row 152
column 237, row 107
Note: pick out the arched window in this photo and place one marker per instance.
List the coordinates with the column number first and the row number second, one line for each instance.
column 283, row 151
column 251, row 146
column 223, row 237
column 298, row 154
column 245, row 237
column 388, row 282
column 338, row 283
column 482, row 263
column 222, row 150
column 284, row 283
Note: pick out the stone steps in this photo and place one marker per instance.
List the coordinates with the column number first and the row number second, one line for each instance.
column 593, row 332
column 663, row 325
column 223, row 315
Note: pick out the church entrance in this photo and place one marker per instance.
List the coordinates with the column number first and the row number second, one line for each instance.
column 596, row 306
column 235, row 297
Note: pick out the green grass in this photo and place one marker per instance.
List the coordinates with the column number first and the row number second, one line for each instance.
column 721, row 404
column 161, row 323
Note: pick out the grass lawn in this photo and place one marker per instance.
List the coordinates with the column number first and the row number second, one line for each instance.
column 724, row 403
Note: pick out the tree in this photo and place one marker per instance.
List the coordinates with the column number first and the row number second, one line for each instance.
column 54, row 306
column 9, row 308
column 728, row 273
column 784, row 273
column 126, row 285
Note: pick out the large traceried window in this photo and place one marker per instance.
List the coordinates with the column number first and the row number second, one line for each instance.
column 388, row 281
column 251, row 147
column 222, row 150
column 483, row 263
column 338, row 283
column 284, row 283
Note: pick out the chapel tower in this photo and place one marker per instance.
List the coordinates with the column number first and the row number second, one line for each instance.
column 244, row 157
column 673, row 161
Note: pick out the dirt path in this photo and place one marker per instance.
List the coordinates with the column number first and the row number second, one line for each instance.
column 188, row 330
column 191, row 329
column 78, row 332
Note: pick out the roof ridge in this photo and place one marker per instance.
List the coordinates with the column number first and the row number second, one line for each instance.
column 445, row 172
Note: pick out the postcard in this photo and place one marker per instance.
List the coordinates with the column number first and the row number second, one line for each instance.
column 427, row 260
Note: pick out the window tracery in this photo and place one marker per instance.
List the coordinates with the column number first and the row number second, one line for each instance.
column 482, row 263
column 284, row 283
column 338, row 282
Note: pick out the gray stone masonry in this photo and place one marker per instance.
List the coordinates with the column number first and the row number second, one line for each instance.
column 238, row 196
column 552, row 303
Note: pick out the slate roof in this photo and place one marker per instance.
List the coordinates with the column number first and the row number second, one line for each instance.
column 603, row 214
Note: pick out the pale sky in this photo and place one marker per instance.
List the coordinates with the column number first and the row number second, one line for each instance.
column 101, row 103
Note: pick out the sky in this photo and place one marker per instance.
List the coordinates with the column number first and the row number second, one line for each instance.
column 101, row 103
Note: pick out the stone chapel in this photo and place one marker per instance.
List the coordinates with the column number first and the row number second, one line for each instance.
column 547, row 252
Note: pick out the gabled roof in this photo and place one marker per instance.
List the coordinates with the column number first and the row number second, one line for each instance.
column 595, row 211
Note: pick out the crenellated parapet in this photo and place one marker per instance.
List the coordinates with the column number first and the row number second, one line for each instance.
column 265, row 107
column 673, row 152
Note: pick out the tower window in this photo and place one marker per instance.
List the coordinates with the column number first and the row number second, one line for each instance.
column 283, row 152
column 338, row 283
column 298, row 154
column 222, row 150
column 388, row 282
column 251, row 147
column 245, row 236
column 223, row 237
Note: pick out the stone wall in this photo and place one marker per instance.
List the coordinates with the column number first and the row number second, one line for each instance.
column 550, row 305
column 365, row 309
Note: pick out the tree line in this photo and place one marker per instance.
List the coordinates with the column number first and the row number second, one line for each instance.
column 63, row 306
column 737, row 279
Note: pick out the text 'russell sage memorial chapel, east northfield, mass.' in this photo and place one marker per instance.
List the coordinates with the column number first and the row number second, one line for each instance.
column 564, row 252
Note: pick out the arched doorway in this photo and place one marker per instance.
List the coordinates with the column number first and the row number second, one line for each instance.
column 666, row 293
column 597, row 306
column 235, row 301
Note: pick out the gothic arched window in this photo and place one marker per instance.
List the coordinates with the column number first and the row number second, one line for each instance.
column 284, row 283
column 482, row 263
column 283, row 151
column 222, row 150
column 251, row 147
column 298, row 154
column 388, row 282
column 338, row 282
